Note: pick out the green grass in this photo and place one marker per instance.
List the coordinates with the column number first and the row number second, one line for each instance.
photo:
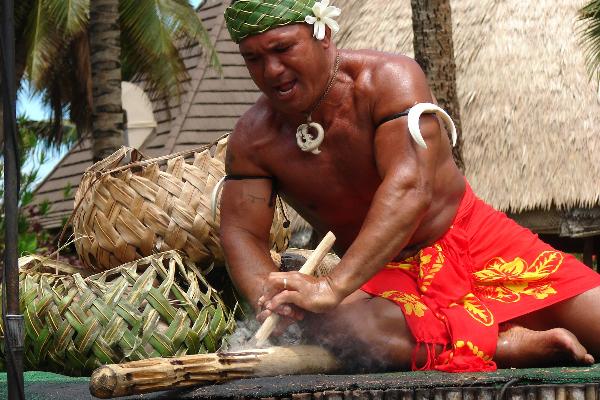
column 38, row 376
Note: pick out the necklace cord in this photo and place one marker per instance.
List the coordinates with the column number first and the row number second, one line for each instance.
column 329, row 86
column 304, row 139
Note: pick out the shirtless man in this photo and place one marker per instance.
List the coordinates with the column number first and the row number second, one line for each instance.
column 385, row 198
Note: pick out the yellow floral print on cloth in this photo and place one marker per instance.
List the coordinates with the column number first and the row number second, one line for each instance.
column 430, row 265
column 474, row 349
column 412, row 303
column 476, row 309
column 507, row 281
column 408, row 265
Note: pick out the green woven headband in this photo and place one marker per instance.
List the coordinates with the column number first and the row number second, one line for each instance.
column 250, row 17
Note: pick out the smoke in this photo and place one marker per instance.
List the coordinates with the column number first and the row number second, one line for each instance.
column 242, row 337
column 348, row 350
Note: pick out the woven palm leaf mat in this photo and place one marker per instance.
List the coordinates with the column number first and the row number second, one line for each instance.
column 568, row 383
column 158, row 306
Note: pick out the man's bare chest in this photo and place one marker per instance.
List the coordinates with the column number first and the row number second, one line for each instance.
column 342, row 176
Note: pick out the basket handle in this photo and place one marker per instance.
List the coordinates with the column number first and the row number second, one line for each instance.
column 143, row 163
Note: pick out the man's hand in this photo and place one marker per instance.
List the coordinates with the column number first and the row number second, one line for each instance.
column 284, row 289
column 288, row 315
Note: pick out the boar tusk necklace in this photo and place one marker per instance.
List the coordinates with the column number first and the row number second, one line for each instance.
column 306, row 141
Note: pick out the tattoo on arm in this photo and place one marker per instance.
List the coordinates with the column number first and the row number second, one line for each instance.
column 256, row 199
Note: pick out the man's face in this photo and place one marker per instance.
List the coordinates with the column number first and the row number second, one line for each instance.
column 288, row 65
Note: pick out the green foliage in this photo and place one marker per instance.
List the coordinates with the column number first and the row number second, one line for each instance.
column 33, row 153
column 52, row 36
column 589, row 17
column 151, row 30
column 67, row 190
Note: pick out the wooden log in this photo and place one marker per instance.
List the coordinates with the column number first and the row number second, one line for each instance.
column 156, row 374
column 265, row 330
column 591, row 391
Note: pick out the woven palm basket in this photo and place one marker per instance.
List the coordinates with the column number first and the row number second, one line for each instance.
column 126, row 212
column 159, row 306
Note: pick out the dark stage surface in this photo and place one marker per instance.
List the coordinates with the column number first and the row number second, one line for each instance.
column 557, row 384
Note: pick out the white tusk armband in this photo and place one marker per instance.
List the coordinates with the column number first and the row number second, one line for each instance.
column 415, row 114
column 214, row 198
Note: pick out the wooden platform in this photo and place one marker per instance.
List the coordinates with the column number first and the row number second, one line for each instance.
column 522, row 384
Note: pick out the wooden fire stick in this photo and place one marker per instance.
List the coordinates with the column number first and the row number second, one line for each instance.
column 309, row 267
column 157, row 374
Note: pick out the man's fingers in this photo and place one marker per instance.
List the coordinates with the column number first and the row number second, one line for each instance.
column 298, row 314
column 284, row 297
column 260, row 317
column 284, row 321
column 278, row 282
column 290, row 311
column 289, row 280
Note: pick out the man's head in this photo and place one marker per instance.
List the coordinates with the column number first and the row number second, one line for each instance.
column 286, row 46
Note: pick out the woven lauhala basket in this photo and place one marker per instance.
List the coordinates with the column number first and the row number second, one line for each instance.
column 124, row 213
column 158, row 306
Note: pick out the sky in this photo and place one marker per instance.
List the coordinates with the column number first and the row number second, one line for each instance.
column 32, row 106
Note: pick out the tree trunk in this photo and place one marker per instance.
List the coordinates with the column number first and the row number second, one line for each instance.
column 434, row 51
column 105, row 48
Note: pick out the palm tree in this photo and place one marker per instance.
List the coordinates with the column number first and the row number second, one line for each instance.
column 105, row 50
column 589, row 17
column 54, row 52
column 434, row 51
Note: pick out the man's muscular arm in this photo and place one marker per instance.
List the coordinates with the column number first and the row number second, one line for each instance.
column 408, row 172
column 400, row 203
column 246, row 217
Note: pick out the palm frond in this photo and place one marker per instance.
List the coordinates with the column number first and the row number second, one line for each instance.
column 589, row 29
column 42, row 40
column 149, row 50
column 188, row 24
column 67, row 86
column 38, row 135
column 153, row 34
column 81, row 87
column 71, row 16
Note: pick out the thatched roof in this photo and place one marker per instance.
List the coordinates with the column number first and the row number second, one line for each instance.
column 530, row 115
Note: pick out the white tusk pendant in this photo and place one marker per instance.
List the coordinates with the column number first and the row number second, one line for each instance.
column 306, row 141
column 415, row 114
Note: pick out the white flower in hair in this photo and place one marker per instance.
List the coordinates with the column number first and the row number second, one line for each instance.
column 323, row 15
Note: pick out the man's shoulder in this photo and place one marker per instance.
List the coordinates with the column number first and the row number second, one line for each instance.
column 252, row 128
column 390, row 82
column 374, row 70
column 377, row 63
column 255, row 120
column 258, row 114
